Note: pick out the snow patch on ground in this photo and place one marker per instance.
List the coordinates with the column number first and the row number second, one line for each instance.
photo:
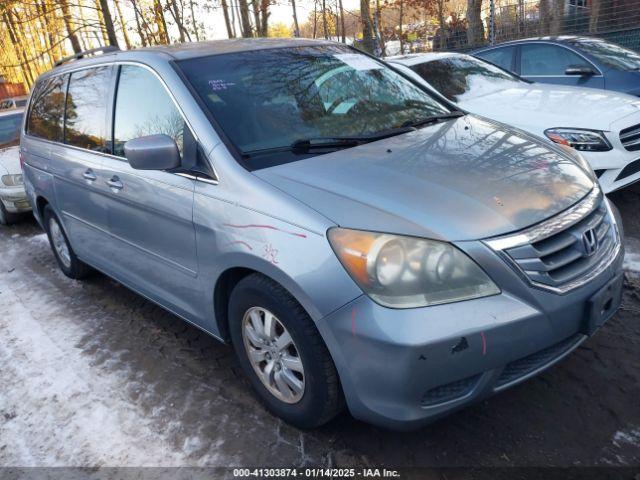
column 56, row 409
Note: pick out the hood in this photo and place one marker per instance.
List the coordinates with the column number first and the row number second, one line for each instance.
column 462, row 179
column 546, row 106
column 10, row 160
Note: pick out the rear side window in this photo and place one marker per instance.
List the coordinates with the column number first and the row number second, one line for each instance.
column 503, row 57
column 143, row 107
column 86, row 113
column 47, row 109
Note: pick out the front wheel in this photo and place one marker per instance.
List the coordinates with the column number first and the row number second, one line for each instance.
column 282, row 353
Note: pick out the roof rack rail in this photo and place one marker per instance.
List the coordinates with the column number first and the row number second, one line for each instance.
column 77, row 56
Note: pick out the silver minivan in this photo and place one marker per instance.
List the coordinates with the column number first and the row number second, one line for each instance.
column 357, row 240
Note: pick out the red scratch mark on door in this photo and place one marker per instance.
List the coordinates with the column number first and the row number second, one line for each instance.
column 484, row 343
column 270, row 227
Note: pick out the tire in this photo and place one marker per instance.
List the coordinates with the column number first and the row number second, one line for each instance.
column 7, row 218
column 69, row 263
column 321, row 398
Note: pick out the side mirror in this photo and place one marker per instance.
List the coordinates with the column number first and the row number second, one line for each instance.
column 154, row 152
column 579, row 70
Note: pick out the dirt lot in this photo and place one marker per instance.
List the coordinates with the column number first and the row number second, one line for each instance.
column 93, row 375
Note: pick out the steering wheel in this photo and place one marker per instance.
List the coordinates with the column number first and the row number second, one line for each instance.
column 337, row 102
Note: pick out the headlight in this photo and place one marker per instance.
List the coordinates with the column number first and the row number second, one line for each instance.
column 582, row 140
column 580, row 160
column 12, row 180
column 408, row 272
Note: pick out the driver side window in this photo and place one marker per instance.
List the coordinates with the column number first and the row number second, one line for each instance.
column 543, row 59
column 143, row 107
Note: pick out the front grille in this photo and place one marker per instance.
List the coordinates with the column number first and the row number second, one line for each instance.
column 630, row 138
column 631, row 169
column 450, row 391
column 523, row 366
column 567, row 250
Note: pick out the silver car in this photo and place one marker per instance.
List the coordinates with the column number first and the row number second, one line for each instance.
column 13, row 200
column 356, row 239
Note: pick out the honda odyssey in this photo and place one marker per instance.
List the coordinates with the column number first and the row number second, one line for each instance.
column 358, row 240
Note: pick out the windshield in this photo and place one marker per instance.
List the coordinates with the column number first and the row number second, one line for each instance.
column 611, row 54
column 10, row 130
column 460, row 77
column 265, row 100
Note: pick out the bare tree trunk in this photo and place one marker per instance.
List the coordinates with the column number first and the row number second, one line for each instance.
column 324, row 20
column 108, row 23
column 27, row 74
column 315, row 18
column 475, row 29
column 596, row 7
column 234, row 8
column 66, row 16
column 264, row 14
column 244, row 18
column 175, row 13
column 379, row 28
column 545, row 17
column 141, row 32
column 400, row 29
column 227, row 21
column 256, row 15
column 367, row 27
column 125, row 34
column 196, row 30
column 296, row 27
column 342, row 29
column 161, row 23
column 558, row 17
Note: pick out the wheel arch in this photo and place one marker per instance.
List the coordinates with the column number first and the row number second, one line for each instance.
column 247, row 265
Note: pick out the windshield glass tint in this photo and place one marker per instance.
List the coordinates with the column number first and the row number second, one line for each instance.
column 10, row 130
column 612, row 55
column 266, row 99
column 461, row 77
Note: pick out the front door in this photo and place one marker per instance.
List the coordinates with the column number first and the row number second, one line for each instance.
column 150, row 213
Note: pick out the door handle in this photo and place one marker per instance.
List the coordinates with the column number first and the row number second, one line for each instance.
column 115, row 183
column 89, row 175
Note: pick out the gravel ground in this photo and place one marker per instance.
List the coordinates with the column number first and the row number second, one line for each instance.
column 93, row 375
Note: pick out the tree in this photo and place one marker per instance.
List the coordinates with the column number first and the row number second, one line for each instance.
column 475, row 29
column 367, row 26
column 108, row 23
column 280, row 30
column 227, row 21
column 296, row 27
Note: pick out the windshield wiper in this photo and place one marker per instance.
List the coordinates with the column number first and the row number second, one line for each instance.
column 304, row 145
column 352, row 141
column 433, row 119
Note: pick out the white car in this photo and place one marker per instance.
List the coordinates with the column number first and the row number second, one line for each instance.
column 13, row 199
column 603, row 126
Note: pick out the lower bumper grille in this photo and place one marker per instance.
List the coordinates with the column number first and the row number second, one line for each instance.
column 630, row 169
column 524, row 366
column 450, row 391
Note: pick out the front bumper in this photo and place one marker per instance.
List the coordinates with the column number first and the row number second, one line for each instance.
column 14, row 199
column 405, row 368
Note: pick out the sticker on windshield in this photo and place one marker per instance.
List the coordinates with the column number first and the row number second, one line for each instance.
column 358, row 61
column 217, row 85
